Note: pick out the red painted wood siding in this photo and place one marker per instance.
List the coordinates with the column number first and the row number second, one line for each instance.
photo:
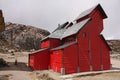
column 105, row 55
column 98, row 18
column 91, row 42
column 54, row 43
column 31, row 60
column 84, row 55
column 56, row 60
column 45, row 44
column 96, row 27
column 70, row 59
column 69, row 39
column 40, row 60
column 81, row 19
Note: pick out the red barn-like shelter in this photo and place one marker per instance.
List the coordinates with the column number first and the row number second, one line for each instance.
column 75, row 47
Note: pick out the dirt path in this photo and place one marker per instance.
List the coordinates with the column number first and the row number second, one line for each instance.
column 17, row 75
column 17, row 72
column 115, row 64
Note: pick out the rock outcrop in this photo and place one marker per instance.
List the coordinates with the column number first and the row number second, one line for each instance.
column 23, row 36
column 115, row 46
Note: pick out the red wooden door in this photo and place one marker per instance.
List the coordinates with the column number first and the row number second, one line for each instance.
column 56, row 61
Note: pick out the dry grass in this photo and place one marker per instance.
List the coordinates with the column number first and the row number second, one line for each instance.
column 5, row 77
column 37, row 76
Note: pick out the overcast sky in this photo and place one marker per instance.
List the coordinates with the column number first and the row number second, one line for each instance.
column 47, row 14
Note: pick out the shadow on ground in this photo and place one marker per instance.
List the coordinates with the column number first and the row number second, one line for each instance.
column 19, row 67
column 115, row 68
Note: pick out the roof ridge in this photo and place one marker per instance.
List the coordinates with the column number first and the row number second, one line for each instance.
column 85, row 12
column 89, row 10
column 81, row 24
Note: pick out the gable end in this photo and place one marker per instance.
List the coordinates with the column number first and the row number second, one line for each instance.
column 105, row 42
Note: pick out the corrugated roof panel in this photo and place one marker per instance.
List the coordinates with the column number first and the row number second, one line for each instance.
column 39, row 50
column 63, row 46
column 57, row 33
column 62, row 33
column 75, row 28
column 86, row 12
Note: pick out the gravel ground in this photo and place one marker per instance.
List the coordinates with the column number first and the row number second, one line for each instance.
column 103, row 76
column 22, row 72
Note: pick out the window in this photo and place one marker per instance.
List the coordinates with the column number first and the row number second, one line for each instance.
column 84, row 34
column 57, row 52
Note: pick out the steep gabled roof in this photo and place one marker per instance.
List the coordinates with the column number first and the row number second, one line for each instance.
column 105, row 42
column 62, row 31
column 57, row 34
column 87, row 12
column 75, row 28
column 65, row 32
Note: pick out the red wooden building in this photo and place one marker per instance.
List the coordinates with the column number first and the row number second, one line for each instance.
column 75, row 47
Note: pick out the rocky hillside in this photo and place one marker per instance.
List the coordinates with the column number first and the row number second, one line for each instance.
column 23, row 36
column 115, row 46
column 19, row 36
